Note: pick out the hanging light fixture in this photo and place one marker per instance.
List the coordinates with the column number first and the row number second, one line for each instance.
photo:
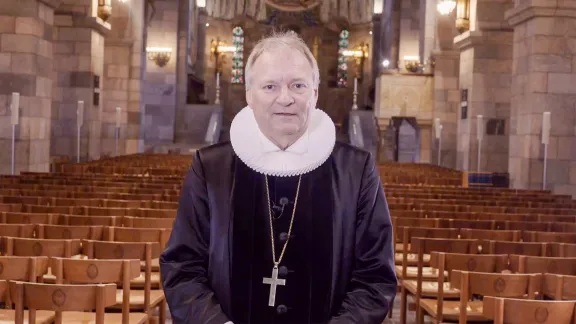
column 445, row 7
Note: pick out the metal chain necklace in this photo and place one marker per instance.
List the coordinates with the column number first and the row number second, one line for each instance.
column 274, row 281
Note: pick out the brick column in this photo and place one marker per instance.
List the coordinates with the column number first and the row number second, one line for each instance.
column 124, row 60
column 159, row 87
column 26, row 67
column 78, row 67
column 446, row 104
column 544, row 79
column 485, row 71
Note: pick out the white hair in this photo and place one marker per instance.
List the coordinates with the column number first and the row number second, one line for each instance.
column 279, row 40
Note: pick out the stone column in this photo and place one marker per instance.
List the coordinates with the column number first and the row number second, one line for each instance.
column 124, row 58
column 78, row 67
column 544, row 79
column 26, row 67
column 446, row 105
column 485, row 71
column 159, row 93
column 390, row 32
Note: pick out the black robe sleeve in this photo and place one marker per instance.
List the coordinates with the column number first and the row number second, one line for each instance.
column 373, row 283
column 184, row 262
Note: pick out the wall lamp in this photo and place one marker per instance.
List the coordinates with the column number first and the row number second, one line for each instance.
column 159, row 55
column 445, row 7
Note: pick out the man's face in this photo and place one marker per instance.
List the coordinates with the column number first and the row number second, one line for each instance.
column 282, row 92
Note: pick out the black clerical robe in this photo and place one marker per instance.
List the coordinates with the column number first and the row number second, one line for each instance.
column 338, row 265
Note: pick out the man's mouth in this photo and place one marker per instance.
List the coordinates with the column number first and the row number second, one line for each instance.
column 284, row 114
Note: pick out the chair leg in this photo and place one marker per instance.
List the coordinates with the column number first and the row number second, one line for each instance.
column 162, row 314
column 419, row 314
column 403, row 305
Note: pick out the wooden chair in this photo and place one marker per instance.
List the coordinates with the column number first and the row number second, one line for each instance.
column 422, row 287
column 61, row 298
column 22, row 269
column 405, row 271
column 522, row 311
column 74, row 271
column 450, row 264
column 146, row 299
column 490, row 284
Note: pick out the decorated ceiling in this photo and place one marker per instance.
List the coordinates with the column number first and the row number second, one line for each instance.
column 354, row 11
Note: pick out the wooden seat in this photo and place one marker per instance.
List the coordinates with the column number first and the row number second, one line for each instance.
column 451, row 310
column 8, row 316
column 112, row 318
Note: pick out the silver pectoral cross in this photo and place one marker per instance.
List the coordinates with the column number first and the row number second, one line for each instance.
column 273, row 282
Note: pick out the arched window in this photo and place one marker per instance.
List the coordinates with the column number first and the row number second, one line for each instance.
column 342, row 64
column 238, row 58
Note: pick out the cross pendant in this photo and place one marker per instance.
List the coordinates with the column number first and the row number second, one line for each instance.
column 273, row 282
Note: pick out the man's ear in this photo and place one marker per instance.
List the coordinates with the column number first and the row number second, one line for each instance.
column 249, row 96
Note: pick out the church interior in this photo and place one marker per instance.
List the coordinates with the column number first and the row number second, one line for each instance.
column 467, row 106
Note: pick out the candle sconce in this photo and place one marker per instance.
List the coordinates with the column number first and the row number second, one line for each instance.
column 360, row 54
column 218, row 50
column 158, row 55
column 463, row 16
column 412, row 64
column 104, row 9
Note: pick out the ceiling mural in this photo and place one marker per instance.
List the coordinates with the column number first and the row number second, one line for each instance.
column 353, row 11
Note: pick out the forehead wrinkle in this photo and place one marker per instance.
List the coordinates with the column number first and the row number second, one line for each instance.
column 269, row 67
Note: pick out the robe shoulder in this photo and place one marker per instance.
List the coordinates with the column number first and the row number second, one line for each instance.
column 216, row 156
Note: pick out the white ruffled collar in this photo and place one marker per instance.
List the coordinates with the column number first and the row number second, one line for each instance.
column 309, row 152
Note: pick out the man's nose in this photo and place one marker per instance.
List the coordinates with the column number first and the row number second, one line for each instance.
column 285, row 98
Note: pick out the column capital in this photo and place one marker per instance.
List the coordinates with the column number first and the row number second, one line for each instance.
column 540, row 8
column 468, row 39
column 100, row 26
column 446, row 53
column 51, row 3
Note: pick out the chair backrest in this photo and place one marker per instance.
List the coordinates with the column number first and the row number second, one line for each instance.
column 521, row 248
column 17, row 230
column 559, row 287
column 148, row 222
column 480, row 234
column 59, row 298
column 81, row 220
column 495, row 284
column 23, row 268
column 522, row 311
column 532, row 264
column 69, row 232
column 40, row 247
column 131, row 234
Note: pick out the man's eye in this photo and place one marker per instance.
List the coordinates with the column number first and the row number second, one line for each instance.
column 299, row 85
column 269, row 87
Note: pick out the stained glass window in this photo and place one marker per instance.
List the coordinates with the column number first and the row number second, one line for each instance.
column 238, row 57
column 342, row 64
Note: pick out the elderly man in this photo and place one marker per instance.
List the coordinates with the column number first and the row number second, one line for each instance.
column 283, row 224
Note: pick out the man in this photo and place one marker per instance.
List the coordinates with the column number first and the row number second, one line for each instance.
column 282, row 224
